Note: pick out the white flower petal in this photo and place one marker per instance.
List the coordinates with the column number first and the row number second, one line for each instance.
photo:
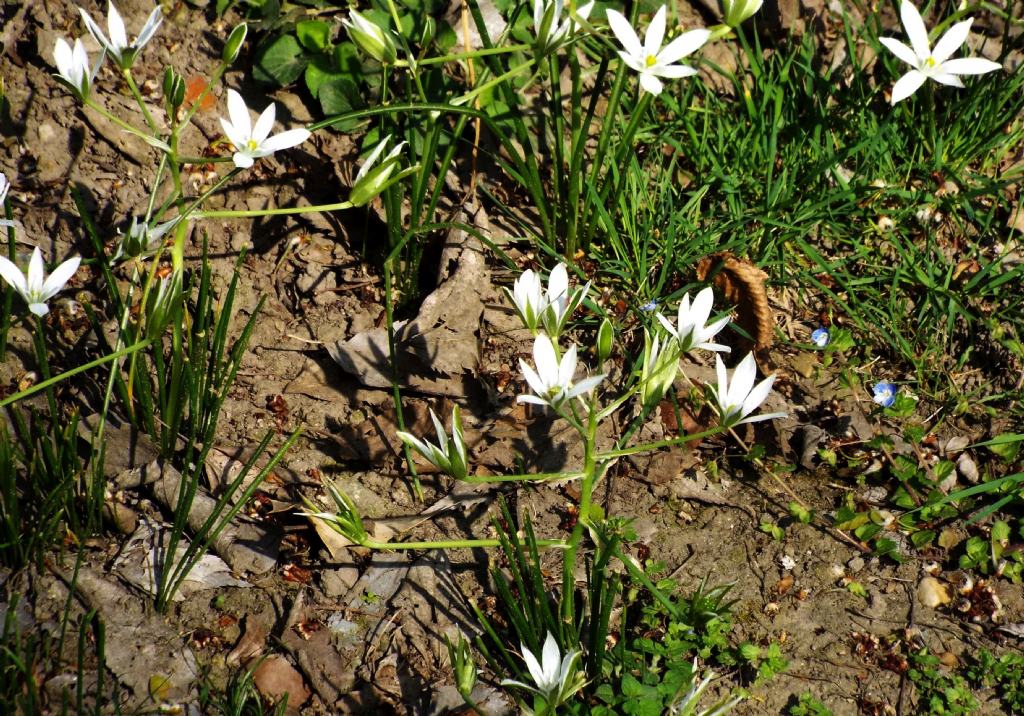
column 233, row 135
column 951, row 41
column 650, row 83
column 907, row 85
column 535, row 382
column 371, row 159
column 533, row 666
column 915, row 28
column 667, row 324
column 35, row 277
column 945, row 78
column 585, row 386
column 757, row 395
column 683, row 46
column 115, row 24
column 970, row 66
column 264, row 124
column 242, row 160
column 549, row 658
column 546, row 361
column 93, row 29
column 655, row 32
column 567, row 367
column 900, row 50
column 149, row 29
column 239, row 116
column 12, row 275
column 626, row 35
column 40, row 309
column 761, row 416
column 673, row 72
column 286, row 140
column 558, row 283
column 743, row 378
column 60, row 276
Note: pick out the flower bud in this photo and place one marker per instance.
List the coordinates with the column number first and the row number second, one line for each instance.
column 163, row 305
column 737, row 11
column 374, row 176
column 429, row 31
column 462, row 665
column 605, row 338
column 234, row 44
column 174, row 88
column 373, row 40
column 659, row 370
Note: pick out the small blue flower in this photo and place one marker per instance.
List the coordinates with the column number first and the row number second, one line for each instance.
column 884, row 394
column 649, row 306
column 820, row 337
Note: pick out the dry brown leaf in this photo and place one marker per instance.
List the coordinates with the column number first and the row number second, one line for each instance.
column 745, row 286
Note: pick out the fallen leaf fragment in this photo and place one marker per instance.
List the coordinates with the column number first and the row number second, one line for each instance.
column 745, row 286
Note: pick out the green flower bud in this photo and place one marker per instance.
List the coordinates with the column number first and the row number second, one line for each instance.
column 605, row 338
column 163, row 305
column 737, row 11
column 373, row 40
column 234, row 44
column 373, row 176
column 174, row 88
column 463, row 666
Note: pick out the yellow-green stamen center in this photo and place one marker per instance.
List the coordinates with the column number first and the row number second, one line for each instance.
column 651, row 60
column 251, row 145
column 930, row 62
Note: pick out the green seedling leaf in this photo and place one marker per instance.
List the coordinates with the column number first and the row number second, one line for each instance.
column 281, row 62
column 858, row 589
column 800, row 513
column 314, row 35
column 1006, row 446
column 921, row 538
column 776, row 532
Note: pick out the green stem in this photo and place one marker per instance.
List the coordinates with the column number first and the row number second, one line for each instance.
column 591, row 473
column 214, row 80
column 412, row 62
column 127, row 73
column 647, row 447
column 526, row 477
column 42, row 385
column 480, row 89
column 203, row 160
column 44, row 365
column 396, row 393
column 453, row 544
column 190, row 212
column 458, row 56
column 119, row 122
column 5, row 316
column 249, row 213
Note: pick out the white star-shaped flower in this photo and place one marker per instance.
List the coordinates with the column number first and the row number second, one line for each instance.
column 554, row 676
column 692, row 330
column 551, row 34
column 117, row 44
column 737, row 400
column 928, row 63
column 552, row 380
column 73, row 66
column 35, row 287
column 650, row 59
column 253, row 142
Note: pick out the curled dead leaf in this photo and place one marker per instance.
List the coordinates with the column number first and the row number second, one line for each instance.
column 745, row 286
